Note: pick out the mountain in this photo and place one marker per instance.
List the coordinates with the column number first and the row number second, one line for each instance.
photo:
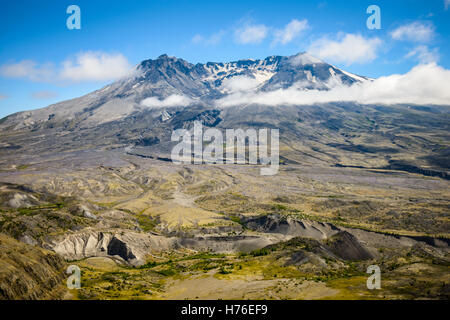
column 140, row 111
column 168, row 76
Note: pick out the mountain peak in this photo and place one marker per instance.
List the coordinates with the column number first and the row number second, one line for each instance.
column 166, row 57
column 162, row 62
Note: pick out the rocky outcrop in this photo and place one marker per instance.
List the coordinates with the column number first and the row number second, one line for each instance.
column 347, row 247
column 227, row 244
column 133, row 248
column 123, row 246
column 292, row 227
column 341, row 242
column 20, row 200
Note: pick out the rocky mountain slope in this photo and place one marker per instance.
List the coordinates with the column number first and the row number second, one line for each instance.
column 202, row 83
column 141, row 111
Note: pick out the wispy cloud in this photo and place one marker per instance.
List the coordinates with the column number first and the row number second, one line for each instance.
column 174, row 100
column 251, row 34
column 424, row 84
column 447, row 4
column 95, row 66
column 290, row 31
column 85, row 66
column 348, row 48
column 211, row 40
column 28, row 69
column 321, row 5
column 248, row 32
column 423, row 54
column 44, row 95
column 415, row 31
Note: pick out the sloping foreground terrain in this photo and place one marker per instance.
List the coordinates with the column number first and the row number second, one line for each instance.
column 28, row 272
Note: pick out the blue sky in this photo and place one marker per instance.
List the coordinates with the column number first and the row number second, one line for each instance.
column 43, row 62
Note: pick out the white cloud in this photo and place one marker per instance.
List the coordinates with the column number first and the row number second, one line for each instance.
column 424, row 84
column 198, row 39
column 95, row 66
column 87, row 66
column 174, row 100
column 424, row 55
column 415, row 31
column 44, row 94
column 290, row 31
column 213, row 39
column 303, row 59
column 251, row 34
column 446, row 4
column 349, row 48
column 28, row 69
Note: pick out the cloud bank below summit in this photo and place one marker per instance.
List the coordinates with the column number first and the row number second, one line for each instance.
column 427, row 84
column 171, row 101
column 424, row 84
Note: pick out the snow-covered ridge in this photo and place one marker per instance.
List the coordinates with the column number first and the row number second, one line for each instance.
column 170, row 81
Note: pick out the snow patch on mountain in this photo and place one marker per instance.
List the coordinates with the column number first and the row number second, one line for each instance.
column 354, row 76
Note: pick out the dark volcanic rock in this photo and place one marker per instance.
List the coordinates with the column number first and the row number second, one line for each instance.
column 347, row 247
column 120, row 248
column 289, row 226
